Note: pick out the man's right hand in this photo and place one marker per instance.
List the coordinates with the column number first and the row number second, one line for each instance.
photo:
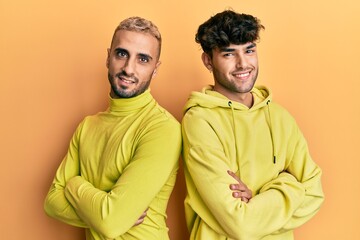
column 141, row 218
column 240, row 190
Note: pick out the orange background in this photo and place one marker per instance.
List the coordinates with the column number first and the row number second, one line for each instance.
column 52, row 74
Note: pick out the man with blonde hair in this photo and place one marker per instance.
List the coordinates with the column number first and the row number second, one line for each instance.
column 120, row 169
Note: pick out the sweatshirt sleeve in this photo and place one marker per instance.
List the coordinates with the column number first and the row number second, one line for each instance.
column 308, row 174
column 56, row 205
column 113, row 213
column 266, row 212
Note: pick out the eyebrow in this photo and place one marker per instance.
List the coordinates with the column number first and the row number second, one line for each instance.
column 226, row 49
column 142, row 55
column 120, row 50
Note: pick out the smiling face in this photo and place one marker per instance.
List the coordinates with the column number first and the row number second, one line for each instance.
column 235, row 70
column 132, row 62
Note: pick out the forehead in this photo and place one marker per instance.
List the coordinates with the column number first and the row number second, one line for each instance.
column 136, row 42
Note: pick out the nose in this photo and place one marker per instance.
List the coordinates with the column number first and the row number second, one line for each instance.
column 241, row 62
column 129, row 67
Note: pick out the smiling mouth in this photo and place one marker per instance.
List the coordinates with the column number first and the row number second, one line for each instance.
column 242, row 75
column 126, row 80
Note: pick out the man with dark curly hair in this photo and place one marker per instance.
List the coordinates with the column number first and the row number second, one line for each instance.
column 248, row 170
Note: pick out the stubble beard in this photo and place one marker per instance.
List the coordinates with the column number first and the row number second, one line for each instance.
column 123, row 91
column 232, row 86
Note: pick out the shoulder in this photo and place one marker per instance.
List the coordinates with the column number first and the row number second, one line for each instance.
column 280, row 112
column 160, row 120
column 283, row 120
column 197, row 116
column 164, row 116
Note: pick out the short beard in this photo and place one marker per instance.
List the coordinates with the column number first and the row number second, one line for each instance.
column 123, row 92
column 231, row 86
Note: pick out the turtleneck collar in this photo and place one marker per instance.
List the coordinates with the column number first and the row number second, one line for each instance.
column 126, row 105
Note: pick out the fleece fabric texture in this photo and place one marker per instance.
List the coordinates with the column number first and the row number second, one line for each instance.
column 120, row 162
column 265, row 148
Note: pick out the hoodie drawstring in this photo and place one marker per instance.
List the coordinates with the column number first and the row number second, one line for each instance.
column 271, row 131
column 235, row 131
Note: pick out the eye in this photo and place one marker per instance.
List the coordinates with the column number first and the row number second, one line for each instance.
column 228, row 54
column 143, row 59
column 250, row 49
column 121, row 53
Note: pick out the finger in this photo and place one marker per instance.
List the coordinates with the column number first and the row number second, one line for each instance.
column 233, row 175
column 238, row 187
column 143, row 215
column 236, row 194
column 244, row 199
column 141, row 218
column 241, row 196
column 139, row 221
column 246, row 193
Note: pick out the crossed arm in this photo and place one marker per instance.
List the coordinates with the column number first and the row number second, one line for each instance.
column 242, row 192
column 283, row 203
column 78, row 202
column 255, row 216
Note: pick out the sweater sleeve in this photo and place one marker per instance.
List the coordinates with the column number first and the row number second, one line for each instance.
column 266, row 212
column 56, row 205
column 309, row 175
column 113, row 213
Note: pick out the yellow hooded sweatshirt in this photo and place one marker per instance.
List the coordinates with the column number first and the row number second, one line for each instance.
column 265, row 148
column 120, row 162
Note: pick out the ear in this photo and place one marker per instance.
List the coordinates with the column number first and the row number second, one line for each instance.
column 207, row 61
column 108, row 58
column 156, row 69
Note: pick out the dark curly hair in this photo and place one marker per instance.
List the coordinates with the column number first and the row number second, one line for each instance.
column 228, row 27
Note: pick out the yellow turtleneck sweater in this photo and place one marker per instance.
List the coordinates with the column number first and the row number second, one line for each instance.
column 119, row 163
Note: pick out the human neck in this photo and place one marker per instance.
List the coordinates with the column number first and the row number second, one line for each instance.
column 243, row 98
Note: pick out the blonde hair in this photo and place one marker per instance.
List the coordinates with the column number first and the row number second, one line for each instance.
column 138, row 24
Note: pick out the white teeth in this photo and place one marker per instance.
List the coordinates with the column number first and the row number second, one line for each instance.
column 243, row 75
column 126, row 80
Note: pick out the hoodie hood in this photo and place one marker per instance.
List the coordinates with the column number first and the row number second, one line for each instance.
column 208, row 98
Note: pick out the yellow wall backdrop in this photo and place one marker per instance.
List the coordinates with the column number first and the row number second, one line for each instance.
column 52, row 74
